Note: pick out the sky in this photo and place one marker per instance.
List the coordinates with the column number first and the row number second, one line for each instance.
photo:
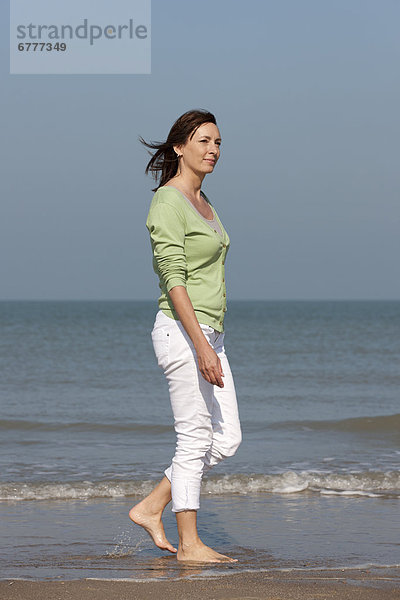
column 306, row 96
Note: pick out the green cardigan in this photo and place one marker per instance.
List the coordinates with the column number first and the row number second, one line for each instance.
column 187, row 251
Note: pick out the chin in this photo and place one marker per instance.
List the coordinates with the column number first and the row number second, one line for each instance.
column 206, row 169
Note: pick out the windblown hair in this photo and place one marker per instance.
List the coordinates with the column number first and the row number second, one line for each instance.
column 164, row 162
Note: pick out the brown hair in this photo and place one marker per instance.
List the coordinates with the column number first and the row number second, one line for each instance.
column 164, row 162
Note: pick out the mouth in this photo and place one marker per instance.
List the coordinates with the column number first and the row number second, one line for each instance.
column 210, row 160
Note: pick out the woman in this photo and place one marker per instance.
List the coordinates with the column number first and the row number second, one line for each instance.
column 189, row 245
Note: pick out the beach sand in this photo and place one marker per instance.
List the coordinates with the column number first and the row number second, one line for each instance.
column 366, row 584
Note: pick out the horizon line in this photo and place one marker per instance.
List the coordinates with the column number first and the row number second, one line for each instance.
column 230, row 300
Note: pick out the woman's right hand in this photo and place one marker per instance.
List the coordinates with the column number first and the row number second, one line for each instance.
column 209, row 364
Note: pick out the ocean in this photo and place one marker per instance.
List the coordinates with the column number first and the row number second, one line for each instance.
column 86, row 430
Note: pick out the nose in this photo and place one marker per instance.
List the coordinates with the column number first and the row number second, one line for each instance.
column 214, row 149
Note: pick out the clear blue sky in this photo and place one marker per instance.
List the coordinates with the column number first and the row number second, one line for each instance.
column 306, row 95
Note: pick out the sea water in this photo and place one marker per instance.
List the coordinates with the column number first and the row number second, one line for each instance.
column 86, row 430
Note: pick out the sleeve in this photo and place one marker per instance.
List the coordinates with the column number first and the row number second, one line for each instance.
column 167, row 234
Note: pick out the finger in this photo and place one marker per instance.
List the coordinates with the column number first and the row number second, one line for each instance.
column 212, row 378
column 218, row 380
column 220, row 368
column 206, row 376
column 209, row 376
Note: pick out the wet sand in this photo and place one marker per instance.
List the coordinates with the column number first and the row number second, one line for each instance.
column 368, row 584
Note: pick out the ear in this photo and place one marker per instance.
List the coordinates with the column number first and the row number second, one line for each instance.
column 178, row 149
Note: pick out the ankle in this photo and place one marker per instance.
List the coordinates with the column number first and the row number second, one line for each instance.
column 189, row 543
column 145, row 506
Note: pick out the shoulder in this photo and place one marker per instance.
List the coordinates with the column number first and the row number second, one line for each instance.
column 167, row 206
column 167, row 197
column 206, row 198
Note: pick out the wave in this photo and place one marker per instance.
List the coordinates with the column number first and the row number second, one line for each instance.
column 82, row 426
column 368, row 483
column 379, row 424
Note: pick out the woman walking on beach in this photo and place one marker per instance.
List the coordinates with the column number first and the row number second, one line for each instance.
column 189, row 245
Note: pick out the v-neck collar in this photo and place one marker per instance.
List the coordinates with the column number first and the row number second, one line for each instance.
column 207, row 221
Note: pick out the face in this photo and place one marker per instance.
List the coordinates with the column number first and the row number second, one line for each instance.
column 201, row 153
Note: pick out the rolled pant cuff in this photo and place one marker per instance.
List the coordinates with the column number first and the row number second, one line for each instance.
column 185, row 494
column 178, row 510
column 168, row 473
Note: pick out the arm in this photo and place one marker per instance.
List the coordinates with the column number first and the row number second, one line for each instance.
column 209, row 363
column 167, row 232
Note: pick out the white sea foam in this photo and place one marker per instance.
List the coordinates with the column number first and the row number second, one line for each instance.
column 350, row 493
column 367, row 483
column 218, row 573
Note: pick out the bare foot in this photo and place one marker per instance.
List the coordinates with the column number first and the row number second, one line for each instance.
column 200, row 553
column 152, row 523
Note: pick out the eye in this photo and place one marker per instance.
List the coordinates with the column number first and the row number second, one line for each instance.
column 218, row 143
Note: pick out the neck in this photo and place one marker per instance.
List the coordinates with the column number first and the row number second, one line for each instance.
column 190, row 182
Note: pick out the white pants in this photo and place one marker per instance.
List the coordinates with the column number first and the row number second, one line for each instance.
column 206, row 416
